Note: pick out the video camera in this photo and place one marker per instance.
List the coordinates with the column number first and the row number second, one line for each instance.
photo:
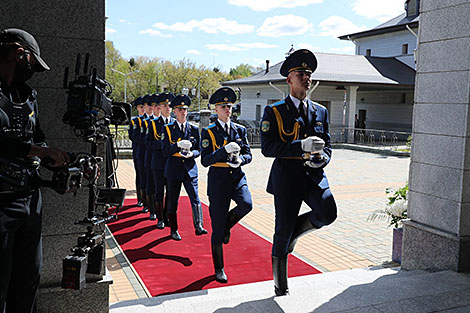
column 90, row 111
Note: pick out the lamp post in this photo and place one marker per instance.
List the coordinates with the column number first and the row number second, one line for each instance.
column 125, row 81
column 198, row 89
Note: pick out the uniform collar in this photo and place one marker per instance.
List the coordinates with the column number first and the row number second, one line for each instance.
column 296, row 101
column 223, row 123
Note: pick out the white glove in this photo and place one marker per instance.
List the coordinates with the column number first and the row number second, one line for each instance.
column 312, row 144
column 316, row 161
column 184, row 144
column 232, row 147
column 187, row 155
column 237, row 164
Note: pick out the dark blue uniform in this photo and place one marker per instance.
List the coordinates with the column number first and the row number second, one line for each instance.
column 290, row 181
column 141, row 153
column 180, row 170
column 225, row 183
column 133, row 131
column 296, row 175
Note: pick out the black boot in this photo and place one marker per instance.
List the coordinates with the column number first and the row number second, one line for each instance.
column 145, row 209
column 159, row 214
column 302, row 227
column 153, row 207
column 232, row 220
column 197, row 220
column 280, row 275
column 218, row 260
column 140, row 203
column 174, row 227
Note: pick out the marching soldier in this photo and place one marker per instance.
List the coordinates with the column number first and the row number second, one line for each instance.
column 295, row 132
column 151, row 147
column 225, row 148
column 158, row 160
column 134, row 136
column 181, row 146
column 142, row 151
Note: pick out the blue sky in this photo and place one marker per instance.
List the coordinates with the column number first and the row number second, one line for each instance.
column 225, row 33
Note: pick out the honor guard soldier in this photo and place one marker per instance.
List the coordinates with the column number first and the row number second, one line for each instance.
column 142, row 151
column 181, row 146
column 151, row 146
column 134, row 136
column 158, row 160
column 22, row 142
column 295, row 132
column 225, row 148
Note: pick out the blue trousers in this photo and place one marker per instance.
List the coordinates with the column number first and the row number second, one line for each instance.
column 174, row 189
column 287, row 208
column 219, row 207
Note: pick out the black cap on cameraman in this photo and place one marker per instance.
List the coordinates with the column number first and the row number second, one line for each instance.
column 27, row 41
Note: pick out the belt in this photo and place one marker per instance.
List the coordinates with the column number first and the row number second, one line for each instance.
column 304, row 156
column 220, row 164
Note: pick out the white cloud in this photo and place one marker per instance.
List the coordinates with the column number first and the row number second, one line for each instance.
column 382, row 10
column 266, row 5
column 240, row 46
column 154, row 32
column 304, row 45
column 208, row 25
column 125, row 21
column 110, row 30
column 284, row 25
column 193, row 51
column 337, row 26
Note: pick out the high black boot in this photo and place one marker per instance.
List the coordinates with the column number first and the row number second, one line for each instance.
column 145, row 209
column 232, row 220
column 140, row 203
column 197, row 220
column 280, row 275
column 159, row 214
column 152, row 207
column 174, row 227
column 218, row 260
column 302, row 227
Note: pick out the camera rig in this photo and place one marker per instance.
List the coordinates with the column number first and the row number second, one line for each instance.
column 89, row 112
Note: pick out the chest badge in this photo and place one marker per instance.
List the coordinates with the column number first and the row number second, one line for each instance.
column 318, row 123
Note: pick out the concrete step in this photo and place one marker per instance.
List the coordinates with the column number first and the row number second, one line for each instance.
column 358, row 290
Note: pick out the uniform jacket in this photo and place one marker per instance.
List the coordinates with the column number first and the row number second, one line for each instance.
column 155, row 135
column 282, row 129
column 177, row 167
column 221, row 177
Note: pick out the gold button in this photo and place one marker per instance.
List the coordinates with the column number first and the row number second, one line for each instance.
column 183, row 161
column 230, row 172
column 305, row 136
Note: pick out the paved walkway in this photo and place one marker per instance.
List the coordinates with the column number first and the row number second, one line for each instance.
column 358, row 181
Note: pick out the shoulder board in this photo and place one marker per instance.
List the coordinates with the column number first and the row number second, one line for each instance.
column 237, row 125
column 277, row 103
column 211, row 126
column 171, row 123
column 318, row 105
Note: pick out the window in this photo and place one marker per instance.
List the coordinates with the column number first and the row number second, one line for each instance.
column 368, row 52
column 404, row 48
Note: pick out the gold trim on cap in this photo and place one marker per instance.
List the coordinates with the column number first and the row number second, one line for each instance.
column 300, row 68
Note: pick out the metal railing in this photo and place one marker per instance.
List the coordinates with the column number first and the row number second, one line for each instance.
column 371, row 137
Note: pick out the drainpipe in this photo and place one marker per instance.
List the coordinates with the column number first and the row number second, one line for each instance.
column 415, row 51
column 312, row 89
column 283, row 95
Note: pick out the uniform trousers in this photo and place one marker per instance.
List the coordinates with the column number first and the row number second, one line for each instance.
column 20, row 252
column 287, row 206
column 174, row 189
column 219, row 207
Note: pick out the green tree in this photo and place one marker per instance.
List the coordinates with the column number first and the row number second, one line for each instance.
column 242, row 70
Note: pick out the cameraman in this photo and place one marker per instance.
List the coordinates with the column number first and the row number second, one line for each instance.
column 22, row 142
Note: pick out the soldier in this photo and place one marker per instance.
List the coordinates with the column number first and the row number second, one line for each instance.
column 22, row 142
column 181, row 146
column 225, row 148
column 134, row 136
column 142, row 151
column 158, row 160
column 151, row 147
column 295, row 132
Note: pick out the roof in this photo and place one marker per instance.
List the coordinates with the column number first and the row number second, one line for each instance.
column 342, row 69
column 395, row 24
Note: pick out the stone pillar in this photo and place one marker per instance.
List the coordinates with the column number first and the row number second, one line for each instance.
column 351, row 96
column 437, row 237
column 62, row 29
column 205, row 119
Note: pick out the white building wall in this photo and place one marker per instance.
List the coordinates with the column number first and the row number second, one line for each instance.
column 389, row 45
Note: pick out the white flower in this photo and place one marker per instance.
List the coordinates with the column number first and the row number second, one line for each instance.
column 398, row 207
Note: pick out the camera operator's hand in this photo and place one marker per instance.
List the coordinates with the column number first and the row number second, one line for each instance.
column 232, row 147
column 58, row 157
column 184, row 144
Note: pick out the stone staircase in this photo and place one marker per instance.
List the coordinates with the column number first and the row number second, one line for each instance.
column 374, row 289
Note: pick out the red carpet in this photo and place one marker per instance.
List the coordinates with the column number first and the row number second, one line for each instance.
column 167, row 266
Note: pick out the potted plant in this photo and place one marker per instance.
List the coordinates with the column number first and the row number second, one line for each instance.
column 395, row 212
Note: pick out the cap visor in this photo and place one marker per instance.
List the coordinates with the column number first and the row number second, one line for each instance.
column 41, row 66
